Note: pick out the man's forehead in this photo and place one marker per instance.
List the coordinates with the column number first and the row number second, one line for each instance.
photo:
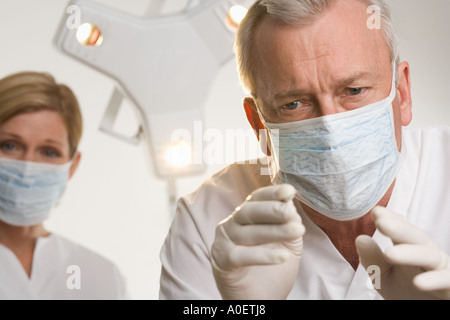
column 337, row 41
column 346, row 20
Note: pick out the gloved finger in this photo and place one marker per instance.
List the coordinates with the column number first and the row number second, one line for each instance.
column 243, row 256
column 282, row 192
column 226, row 256
column 249, row 235
column 427, row 257
column 370, row 253
column 437, row 280
column 398, row 228
column 266, row 212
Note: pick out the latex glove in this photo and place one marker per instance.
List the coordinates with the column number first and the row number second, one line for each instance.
column 256, row 251
column 414, row 268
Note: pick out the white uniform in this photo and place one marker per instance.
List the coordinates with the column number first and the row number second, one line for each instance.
column 61, row 270
column 422, row 192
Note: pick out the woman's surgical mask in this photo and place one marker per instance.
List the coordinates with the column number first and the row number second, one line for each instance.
column 340, row 164
column 30, row 190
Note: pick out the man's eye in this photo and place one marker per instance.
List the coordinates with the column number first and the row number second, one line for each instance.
column 355, row 91
column 293, row 105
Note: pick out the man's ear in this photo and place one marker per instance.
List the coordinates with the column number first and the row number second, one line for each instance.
column 404, row 93
column 252, row 114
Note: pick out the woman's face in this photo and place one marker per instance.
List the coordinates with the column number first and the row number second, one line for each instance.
column 39, row 136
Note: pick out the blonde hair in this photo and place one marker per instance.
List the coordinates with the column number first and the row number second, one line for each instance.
column 294, row 12
column 33, row 91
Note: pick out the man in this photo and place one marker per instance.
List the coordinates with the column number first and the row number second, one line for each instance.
column 347, row 183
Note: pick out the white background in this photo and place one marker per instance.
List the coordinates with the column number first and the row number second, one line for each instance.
column 115, row 204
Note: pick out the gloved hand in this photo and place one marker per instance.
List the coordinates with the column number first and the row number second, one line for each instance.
column 414, row 268
column 256, row 251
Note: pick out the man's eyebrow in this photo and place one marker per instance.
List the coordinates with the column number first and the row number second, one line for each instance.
column 343, row 82
column 356, row 77
column 289, row 94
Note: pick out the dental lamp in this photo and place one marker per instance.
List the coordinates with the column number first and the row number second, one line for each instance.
column 164, row 65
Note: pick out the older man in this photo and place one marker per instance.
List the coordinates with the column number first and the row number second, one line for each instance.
column 329, row 88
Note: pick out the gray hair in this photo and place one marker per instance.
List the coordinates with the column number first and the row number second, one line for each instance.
column 295, row 12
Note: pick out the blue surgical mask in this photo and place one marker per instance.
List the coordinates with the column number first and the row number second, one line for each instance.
column 342, row 164
column 30, row 190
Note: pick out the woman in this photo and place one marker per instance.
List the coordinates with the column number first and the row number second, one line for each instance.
column 40, row 128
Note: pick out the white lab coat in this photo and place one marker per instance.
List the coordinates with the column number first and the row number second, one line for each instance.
column 61, row 269
column 422, row 193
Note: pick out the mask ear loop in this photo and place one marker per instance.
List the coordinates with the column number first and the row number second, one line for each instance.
column 393, row 92
column 67, row 165
column 261, row 117
column 272, row 166
column 74, row 156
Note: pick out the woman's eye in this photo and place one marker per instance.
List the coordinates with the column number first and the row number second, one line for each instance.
column 292, row 106
column 51, row 153
column 8, row 146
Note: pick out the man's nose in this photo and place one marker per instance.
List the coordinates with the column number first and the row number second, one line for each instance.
column 328, row 106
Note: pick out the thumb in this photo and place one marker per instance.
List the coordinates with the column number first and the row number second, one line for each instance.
column 370, row 253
